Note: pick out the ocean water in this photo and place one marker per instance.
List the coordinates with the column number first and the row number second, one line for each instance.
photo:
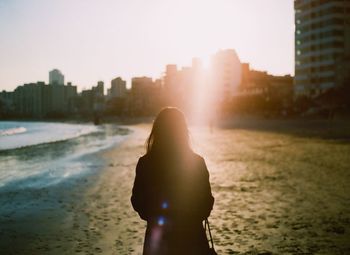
column 15, row 134
column 40, row 154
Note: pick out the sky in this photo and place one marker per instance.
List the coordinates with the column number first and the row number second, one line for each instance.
column 92, row 40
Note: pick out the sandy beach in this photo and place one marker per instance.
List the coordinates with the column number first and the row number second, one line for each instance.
column 275, row 193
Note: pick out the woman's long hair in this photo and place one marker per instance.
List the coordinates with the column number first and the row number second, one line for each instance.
column 169, row 133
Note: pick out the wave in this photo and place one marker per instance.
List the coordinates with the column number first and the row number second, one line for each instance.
column 16, row 135
column 51, row 162
column 13, row 131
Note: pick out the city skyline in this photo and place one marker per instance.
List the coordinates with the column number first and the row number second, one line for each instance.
column 100, row 41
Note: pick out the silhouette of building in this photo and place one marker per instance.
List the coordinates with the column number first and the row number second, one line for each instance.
column 98, row 89
column 322, row 42
column 140, row 85
column 116, row 98
column 86, row 102
column 170, row 77
column 226, row 72
column 253, row 81
column 118, row 88
column 270, row 93
column 59, row 96
column 98, row 97
column 182, row 85
column 6, row 103
column 92, row 101
column 56, row 77
column 144, row 96
column 39, row 100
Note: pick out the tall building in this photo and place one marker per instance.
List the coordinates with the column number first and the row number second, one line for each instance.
column 99, row 89
column 98, row 96
column 6, row 102
column 322, row 42
column 140, row 85
column 56, row 77
column 170, row 77
column 118, row 88
column 143, row 93
column 226, row 68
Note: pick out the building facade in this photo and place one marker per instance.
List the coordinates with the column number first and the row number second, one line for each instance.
column 322, row 43
column 226, row 72
column 56, row 77
column 118, row 88
column 144, row 96
column 39, row 100
column 270, row 94
column 6, row 103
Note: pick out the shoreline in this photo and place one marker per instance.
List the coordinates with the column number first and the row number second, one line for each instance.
column 44, row 220
column 50, row 162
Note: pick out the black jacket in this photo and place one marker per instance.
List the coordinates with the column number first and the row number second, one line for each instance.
column 174, row 196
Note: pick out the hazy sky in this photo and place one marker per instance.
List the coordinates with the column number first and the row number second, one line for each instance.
column 91, row 40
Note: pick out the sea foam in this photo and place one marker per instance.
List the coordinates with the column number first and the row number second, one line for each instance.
column 16, row 134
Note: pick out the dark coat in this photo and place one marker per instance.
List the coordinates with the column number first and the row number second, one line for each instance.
column 174, row 196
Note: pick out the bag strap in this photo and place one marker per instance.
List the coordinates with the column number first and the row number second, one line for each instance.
column 205, row 228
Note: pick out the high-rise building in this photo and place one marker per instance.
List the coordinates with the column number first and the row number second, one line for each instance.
column 118, row 88
column 322, row 42
column 170, row 77
column 98, row 96
column 142, row 93
column 6, row 102
column 227, row 74
column 99, row 89
column 140, row 85
column 56, row 77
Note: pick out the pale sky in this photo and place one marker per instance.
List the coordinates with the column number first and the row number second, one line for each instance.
column 91, row 40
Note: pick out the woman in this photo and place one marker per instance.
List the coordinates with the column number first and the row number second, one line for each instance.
column 172, row 190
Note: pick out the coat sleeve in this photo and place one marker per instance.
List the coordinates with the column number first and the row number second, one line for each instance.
column 138, row 199
column 206, row 197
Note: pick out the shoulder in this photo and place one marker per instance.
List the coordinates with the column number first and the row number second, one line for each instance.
column 197, row 158
column 144, row 161
column 197, row 161
column 141, row 162
column 145, row 158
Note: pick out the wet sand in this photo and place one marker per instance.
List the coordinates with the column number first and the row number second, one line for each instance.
column 275, row 194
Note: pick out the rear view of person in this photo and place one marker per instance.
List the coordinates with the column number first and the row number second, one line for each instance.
column 172, row 190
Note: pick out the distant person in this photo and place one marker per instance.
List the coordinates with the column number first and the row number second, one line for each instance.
column 172, row 190
column 96, row 119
